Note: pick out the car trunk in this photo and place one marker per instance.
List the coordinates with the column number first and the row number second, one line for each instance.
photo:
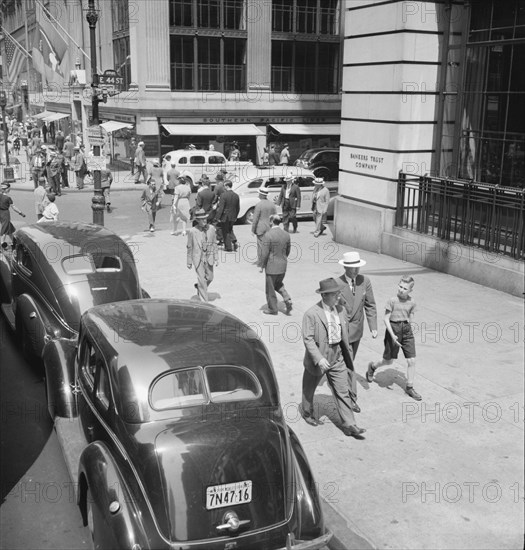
column 212, row 468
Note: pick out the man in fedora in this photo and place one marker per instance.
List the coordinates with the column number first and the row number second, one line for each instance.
column 358, row 300
column 261, row 219
column 289, row 200
column 275, row 249
column 320, row 200
column 202, row 252
column 325, row 337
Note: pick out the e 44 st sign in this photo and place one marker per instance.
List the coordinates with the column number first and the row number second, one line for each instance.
column 112, row 81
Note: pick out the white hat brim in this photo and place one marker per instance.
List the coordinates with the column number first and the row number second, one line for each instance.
column 361, row 263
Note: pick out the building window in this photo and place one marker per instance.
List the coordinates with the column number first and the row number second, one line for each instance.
column 306, row 16
column 208, row 14
column 492, row 135
column 216, row 61
column 121, row 59
column 120, row 16
column 305, row 67
column 121, row 50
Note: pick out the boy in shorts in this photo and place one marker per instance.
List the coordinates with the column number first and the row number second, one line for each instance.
column 399, row 313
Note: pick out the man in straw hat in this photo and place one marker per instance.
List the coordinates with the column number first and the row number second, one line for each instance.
column 261, row 219
column 325, row 337
column 140, row 162
column 202, row 252
column 358, row 300
column 289, row 200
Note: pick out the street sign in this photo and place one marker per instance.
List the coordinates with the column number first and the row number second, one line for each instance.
column 111, row 81
column 95, row 136
column 96, row 163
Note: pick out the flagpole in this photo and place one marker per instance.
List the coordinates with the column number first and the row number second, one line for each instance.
column 25, row 89
column 63, row 30
column 16, row 42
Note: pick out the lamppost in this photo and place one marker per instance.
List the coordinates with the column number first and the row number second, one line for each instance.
column 8, row 172
column 97, row 201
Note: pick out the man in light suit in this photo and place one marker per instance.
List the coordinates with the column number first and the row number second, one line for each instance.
column 325, row 337
column 261, row 220
column 275, row 250
column 358, row 300
column 289, row 200
column 320, row 200
column 202, row 252
column 227, row 212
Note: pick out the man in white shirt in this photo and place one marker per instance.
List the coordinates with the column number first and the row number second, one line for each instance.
column 325, row 337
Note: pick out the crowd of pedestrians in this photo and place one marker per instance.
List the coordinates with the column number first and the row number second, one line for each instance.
column 331, row 329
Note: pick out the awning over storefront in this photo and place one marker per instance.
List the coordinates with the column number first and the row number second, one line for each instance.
column 308, row 129
column 114, row 125
column 43, row 114
column 52, row 117
column 213, row 130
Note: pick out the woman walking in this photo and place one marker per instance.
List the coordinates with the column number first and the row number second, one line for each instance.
column 6, row 227
column 180, row 209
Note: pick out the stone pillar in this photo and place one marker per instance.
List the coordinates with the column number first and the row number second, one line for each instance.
column 392, row 58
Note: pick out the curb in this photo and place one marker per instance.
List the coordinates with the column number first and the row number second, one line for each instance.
column 344, row 537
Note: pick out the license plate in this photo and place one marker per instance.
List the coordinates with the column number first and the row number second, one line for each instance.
column 219, row 496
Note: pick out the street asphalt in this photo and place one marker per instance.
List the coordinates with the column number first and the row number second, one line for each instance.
column 446, row 472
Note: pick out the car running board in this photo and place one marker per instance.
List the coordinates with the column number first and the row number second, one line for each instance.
column 73, row 442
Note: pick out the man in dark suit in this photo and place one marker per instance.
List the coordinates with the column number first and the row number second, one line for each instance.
column 226, row 215
column 261, row 220
column 205, row 198
column 328, row 353
column 358, row 300
column 289, row 200
column 275, row 250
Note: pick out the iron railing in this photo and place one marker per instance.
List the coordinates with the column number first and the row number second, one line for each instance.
column 471, row 213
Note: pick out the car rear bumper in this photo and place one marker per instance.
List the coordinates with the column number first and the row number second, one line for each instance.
column 319, row 542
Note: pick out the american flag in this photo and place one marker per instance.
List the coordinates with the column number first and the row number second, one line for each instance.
column 14, row 58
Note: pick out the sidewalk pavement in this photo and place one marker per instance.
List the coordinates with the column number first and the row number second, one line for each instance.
column 446, row 472
column 122, row 178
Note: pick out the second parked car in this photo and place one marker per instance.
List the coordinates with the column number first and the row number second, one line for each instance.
column 322, row 161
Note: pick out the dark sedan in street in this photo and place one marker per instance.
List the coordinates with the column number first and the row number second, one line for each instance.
column 58, row 270
column 168, row 413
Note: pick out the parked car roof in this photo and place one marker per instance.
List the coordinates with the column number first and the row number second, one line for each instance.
column 147, row 338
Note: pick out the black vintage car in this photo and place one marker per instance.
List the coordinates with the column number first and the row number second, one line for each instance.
column 322, row 161
column 58, row 270
column 168, row 413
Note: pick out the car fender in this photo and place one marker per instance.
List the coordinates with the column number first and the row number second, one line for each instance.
column 5, row 280
column 124, row 520
column 189, row 175
column 59, row 363
column 309, row 514
column 32, row 324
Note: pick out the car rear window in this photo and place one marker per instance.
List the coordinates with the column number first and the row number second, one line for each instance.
column 306, row 155
column 197, row 386
column 81, row 264
column 215, row 159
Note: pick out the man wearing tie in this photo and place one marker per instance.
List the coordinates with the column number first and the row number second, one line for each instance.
column 325, row 338
column 358, row 300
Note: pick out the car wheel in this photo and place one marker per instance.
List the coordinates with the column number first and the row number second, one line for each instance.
column 248, row 217
column 24, row 340
column 90, row 518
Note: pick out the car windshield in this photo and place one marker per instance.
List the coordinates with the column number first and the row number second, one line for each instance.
column 197, row 386
column 306, row 155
